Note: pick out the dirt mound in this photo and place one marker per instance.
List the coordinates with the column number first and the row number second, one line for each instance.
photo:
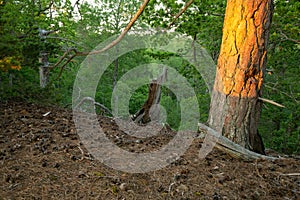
column 41, row 157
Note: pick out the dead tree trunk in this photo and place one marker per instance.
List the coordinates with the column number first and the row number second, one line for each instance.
column 44, row 70
column 154, row 93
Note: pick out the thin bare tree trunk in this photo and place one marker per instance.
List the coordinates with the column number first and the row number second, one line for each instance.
column 116, row 69
column 44, row 70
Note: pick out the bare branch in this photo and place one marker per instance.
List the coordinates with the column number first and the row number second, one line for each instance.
column 41, row 10
column 271, row 102
column 95, row 103
column 127, row 28
column 287, row 38
column 64, row 65
column 180, row 13
column 290, row 174
column 216, row 14
column 112, row 44
column 76, row 4
column 63, row 57
column 290, row 39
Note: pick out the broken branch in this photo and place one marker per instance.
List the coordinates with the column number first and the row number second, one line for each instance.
column 154, row 94
column 95, row 103
column 271, row 102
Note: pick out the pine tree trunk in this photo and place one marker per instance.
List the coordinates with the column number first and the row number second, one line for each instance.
column 235, row 108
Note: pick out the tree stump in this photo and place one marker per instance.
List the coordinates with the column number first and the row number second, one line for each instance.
column 150, row 109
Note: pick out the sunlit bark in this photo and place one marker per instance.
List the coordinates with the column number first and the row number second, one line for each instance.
column 235, row 108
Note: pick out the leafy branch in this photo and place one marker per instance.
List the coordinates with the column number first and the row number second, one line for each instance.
column 109, row 46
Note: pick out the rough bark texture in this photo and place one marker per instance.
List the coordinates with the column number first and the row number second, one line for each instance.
column 235, row 108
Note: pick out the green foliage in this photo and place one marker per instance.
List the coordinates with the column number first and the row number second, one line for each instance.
column 280, row 126
column 204, row 20
column 21, row 45
column 172, row 107
column 24, row 85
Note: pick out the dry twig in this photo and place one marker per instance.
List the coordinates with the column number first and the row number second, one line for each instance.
column 271, row 102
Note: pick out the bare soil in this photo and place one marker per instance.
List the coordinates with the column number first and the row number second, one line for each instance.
column 41, row 157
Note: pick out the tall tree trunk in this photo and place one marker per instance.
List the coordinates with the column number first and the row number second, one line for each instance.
column 235, row 108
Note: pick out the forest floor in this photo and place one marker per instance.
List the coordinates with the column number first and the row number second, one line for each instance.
column 41, row 157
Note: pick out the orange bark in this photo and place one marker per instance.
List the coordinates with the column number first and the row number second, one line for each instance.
column 235, row 108
column 242, row 57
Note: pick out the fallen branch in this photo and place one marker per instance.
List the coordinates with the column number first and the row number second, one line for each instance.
column 180, row 13
column 230, row 147
column 83, row 154
column 95, row 103
column 271, row 102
